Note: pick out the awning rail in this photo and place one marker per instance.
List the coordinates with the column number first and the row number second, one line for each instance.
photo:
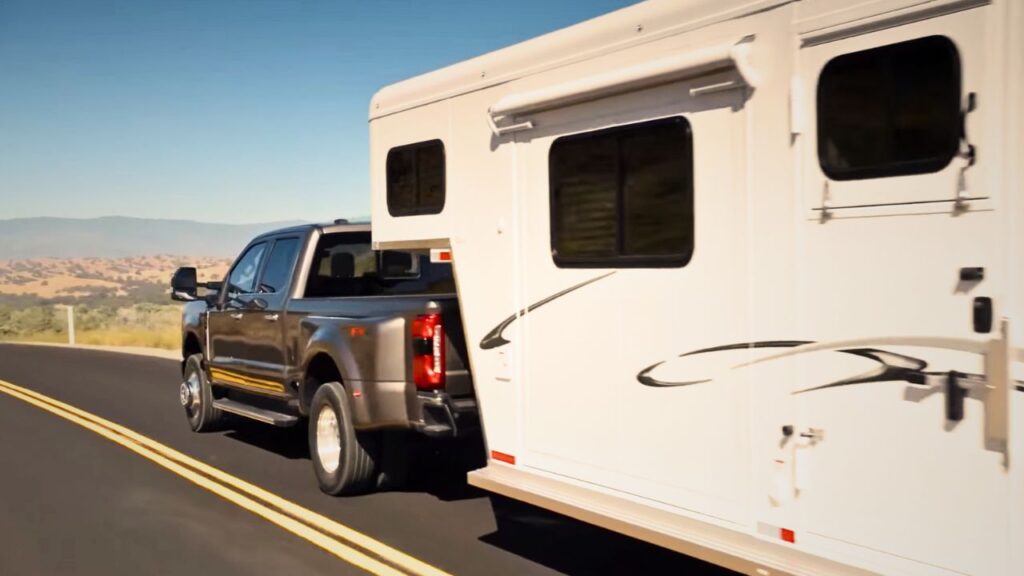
column 661, row 71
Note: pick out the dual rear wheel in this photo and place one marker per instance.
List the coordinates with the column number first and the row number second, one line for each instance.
column 344, row 460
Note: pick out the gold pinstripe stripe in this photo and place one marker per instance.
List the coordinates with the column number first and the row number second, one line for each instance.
column 246, row 384
column 222, row 375
column 246, row 379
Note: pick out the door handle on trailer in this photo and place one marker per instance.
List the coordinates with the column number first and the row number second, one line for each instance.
column 236, row 315
column 270, row 317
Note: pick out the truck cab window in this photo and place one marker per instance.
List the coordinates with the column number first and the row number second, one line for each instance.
column 416, row 179
column 623, row 197
column 279, row 265
column 340, row 263
column 890, row 111
column 242, row 279
column 344, row 265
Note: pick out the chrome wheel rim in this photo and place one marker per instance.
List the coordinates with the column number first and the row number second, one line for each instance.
column 328, row 439
column 189, row 393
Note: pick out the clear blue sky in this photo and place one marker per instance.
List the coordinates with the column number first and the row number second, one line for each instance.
column 234, row 111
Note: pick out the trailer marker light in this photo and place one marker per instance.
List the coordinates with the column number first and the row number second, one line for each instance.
column 502, row 457
column 440, row 255
column 771, row 531
column 357, row 331
column 357, row 394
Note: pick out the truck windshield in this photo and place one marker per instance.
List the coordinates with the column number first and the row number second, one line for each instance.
column 345, row 265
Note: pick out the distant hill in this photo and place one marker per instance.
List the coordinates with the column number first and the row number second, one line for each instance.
column 118, row 237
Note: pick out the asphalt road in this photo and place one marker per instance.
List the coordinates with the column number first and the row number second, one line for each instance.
column 74, row 502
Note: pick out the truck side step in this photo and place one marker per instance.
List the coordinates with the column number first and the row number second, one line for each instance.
column 254, row 413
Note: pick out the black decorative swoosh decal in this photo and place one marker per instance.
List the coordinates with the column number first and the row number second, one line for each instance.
column 750, row 345
column 892, row 367
column 494, row 338
column 646, row 379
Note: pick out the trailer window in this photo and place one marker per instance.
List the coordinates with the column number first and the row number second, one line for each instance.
column 890, row 111
column 416, row 179
column 623, row 197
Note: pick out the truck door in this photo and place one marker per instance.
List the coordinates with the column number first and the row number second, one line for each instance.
column 231, row 346
column 900, row 245
column 264, row 359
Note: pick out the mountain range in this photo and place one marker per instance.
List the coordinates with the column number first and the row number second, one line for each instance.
column 119, row 236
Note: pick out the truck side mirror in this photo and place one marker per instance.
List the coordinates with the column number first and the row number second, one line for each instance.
column 184, row 286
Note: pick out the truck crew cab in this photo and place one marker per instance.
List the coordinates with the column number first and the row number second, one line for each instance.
column 313, row 325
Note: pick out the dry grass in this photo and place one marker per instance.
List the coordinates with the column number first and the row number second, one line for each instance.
column 168, row 338
column 40, row 337
column 118, row 301
column 59, row 285
column 53, row 277
column 140, row 325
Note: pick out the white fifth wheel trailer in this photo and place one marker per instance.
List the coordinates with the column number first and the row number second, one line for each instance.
column 742, row 278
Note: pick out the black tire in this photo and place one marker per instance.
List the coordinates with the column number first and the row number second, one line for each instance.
column 354, row 470
column 200, row 411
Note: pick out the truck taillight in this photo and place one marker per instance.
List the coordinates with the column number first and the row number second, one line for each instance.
column 428, row 352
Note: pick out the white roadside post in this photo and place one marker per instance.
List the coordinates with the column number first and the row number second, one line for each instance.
column 71, row 323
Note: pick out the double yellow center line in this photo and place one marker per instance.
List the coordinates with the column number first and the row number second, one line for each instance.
column 346, row 543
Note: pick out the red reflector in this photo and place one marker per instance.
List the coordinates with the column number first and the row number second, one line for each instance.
column 357, row 394
column 357, row 331
column 787, row 535
column 502, row 457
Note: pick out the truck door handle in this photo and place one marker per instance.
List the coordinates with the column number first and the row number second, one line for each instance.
column 270, row 317
column 236, row 315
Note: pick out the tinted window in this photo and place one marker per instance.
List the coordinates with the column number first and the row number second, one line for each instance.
column 339, row 261
column 623, row 196
column 279, row 266
column 415, row 176
column 397, row 264
column 243, row 276
column 890, row 111
column 345, row 265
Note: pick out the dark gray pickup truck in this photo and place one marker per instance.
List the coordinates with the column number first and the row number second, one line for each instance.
column 312, row 325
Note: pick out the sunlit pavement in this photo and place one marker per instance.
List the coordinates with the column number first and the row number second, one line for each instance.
column 74, row 501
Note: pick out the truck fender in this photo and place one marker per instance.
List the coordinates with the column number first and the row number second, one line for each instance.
column 191, row 343
column 326, row 340
column 193, row 337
